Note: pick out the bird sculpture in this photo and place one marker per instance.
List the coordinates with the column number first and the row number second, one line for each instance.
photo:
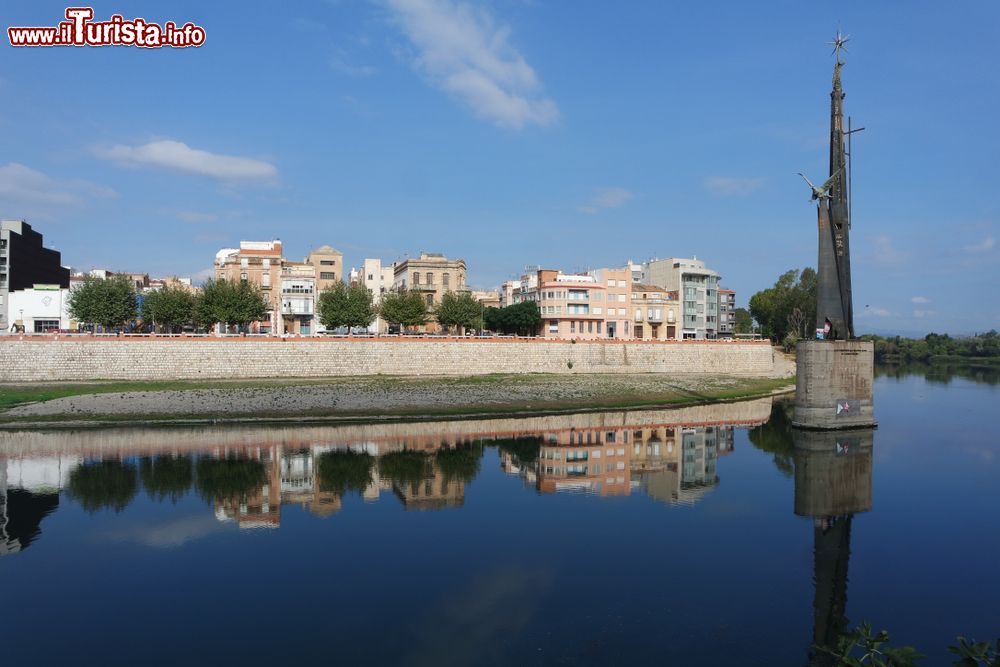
column 823, row 191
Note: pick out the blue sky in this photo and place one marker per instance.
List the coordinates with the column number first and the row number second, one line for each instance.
column 569, row 134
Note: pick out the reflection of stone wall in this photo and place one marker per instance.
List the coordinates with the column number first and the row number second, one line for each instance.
column 376, row 438
column 201, row 358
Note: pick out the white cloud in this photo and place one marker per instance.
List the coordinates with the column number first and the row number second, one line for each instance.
column 181, row 157
column 883, row 252
column 875, row 311
column 26, row 192
column 985, row 245
column 924, row 313
column 460, row 50
column 605, row 198
column 728, row 186
column 340, row 64
column 920, row 299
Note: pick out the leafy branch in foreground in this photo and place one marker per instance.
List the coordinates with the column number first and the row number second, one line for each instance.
column 876, row 651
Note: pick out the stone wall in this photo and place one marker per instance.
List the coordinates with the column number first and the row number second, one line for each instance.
column 61, row 358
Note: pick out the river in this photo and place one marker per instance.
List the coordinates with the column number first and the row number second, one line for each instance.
column 710, row 535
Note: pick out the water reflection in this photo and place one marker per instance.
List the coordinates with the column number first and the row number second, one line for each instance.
column 833, row 482
column 980, row 372
column 248, row 475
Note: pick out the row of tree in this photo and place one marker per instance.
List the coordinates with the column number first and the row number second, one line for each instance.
column 113, row 303
column 896, row 348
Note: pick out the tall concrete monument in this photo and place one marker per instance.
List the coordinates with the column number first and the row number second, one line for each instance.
column 834, row 375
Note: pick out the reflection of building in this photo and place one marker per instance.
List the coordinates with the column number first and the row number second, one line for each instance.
column 833, row 482
column 261, row 506
column 433, row 492
column 592, row 460
column 29, row 491
column 678, row 464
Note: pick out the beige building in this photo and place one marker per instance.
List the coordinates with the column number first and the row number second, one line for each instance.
column 290, row 288
column 328, row 266
column 489, row 298
column 432, row 274
column 655, row 313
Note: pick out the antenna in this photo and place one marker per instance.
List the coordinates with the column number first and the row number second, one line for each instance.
column 850, row 172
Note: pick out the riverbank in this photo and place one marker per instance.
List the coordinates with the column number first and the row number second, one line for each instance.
column 358, row 398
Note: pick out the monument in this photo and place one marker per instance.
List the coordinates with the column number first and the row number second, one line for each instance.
column 833, row 387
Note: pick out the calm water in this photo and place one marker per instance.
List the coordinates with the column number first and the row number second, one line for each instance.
column 702, row 536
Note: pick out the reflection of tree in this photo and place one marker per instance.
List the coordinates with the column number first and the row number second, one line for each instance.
column 103, row 484
column 461, row 462
column 775, row 436
column 941, row 373
column 231, row 478
column 405, row 467
column 340, row 472
column 524, row 449
column 166, row 476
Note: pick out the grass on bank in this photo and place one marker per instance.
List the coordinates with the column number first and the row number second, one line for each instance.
column 672, row 395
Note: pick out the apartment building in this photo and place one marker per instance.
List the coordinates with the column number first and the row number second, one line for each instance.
column 655, row 313
column 618, row 298
column 571, row 305
column 298, row 298
column 258, row 262
column 431, row 274
column 24, row 263
column 378, row 279
column 697, row 287
column 489, row 298
column 727, row 313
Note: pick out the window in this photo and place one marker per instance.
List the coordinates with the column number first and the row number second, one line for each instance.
column 445, row 279
column 611, row 283
column 590, row 327
column 430, row 299
column 430, row 278
column 621, row 298
column 572, row 326
column 416, row 277
column 638, row 314
column 327, row 275
column 265, row 280
column 244, row 262
column 371, row 276
column 597, row 311
column 598, row 326
column 328, row 262
column 266, row 263
column 621, row 283
column 43, row 326
column 243, row 277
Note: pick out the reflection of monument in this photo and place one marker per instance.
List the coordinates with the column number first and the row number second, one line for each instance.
column 833, row 387
column 833, row 482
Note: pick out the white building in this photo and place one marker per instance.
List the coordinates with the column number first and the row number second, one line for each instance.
column 41, row 309
column 378, row 279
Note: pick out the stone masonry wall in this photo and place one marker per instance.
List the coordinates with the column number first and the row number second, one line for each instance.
column 62, row 358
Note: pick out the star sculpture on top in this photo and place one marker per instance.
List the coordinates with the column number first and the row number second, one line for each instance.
column 839, row 44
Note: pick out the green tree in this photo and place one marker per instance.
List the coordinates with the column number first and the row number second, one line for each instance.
column 110, row 302
column 107, row 484
column 744, row 323
column 166, row 476
column 169, row 308
column 520, row 318
column 332, row 306
column 787, row 308
column 341, row 472
column 405, row 467
column 231, row 303
column 404, row 308
column 460, row 462
column 458, row 309
column 230, row 478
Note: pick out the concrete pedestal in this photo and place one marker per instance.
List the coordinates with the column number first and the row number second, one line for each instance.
column 833, row 384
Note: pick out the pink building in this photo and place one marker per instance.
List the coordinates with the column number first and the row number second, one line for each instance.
column 584, row 306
